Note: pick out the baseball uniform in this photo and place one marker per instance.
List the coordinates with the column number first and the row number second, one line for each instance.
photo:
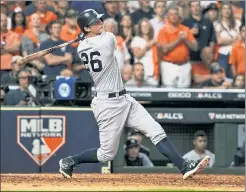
column 113, row 114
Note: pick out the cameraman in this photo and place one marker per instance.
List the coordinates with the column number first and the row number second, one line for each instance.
column 20, row 97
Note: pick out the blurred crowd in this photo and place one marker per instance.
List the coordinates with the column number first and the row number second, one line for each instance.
column 177, row 44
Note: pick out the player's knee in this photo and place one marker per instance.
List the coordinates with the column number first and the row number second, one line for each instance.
column 105, row 157
column 157, row 134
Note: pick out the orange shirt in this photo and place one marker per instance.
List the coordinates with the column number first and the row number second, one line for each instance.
column 19, row 29
column 120, row 42
column 45, row 18
column 67, row 35
column 9, row 38
column 237, row 57
column 29, row 33
column 169, row 34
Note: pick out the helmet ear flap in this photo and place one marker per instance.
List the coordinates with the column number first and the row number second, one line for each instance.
column 85, row 31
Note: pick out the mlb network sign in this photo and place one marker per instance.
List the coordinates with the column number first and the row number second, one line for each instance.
column 41, row 136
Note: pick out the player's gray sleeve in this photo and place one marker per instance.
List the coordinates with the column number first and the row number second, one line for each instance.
column 111, row 42
column 146, row 161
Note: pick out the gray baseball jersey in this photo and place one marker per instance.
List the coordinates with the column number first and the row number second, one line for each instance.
column 113, row 114
column 97, row 53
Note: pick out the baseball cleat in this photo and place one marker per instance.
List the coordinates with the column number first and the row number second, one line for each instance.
column 66, row 167
column 193, row 167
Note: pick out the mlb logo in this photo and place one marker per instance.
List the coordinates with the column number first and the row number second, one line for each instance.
column 41, row 136
column 212, row 115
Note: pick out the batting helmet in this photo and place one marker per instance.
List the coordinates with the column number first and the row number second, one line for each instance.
column 87, row 18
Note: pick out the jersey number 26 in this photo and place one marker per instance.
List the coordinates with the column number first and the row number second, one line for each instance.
column 96, row 64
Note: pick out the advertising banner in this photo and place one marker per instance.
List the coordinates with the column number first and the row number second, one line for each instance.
column 34, row 140
column 197, row 116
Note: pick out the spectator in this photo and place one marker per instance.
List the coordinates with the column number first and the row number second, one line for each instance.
column 66, row 73
column 11, row 77
column 158, row 21
column 238, row 82
column 217, row 80
column 134, row 134
column 59, row 59
column 62, row 7
column 16, row 5
column 227, row 31
column 200, row 151
column 19, row 96
column 126, row 73
column 80, row 6
column 135, row 158
column 111, row 8
column 175, row 40
column 4, row 10
column 145, row 51
column 10, row 44
column 70, row 30
column 211, row 12
column 237, row 56
column 31, row 40
column 18, row 22
column 138, row 77
column 46, row 16
column 32, row 8
column 127, row 32
column 204, row 33
column 133, row 6
column 123, row 9
column 145, row 11
column 183, row 8
column 237, row 10
column 121, row 53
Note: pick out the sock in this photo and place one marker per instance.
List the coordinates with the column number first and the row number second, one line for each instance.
column 166, row 148
column 89, row 156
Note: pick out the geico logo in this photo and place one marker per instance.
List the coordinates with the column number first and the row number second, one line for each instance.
column 41, row 125
column 179, row 95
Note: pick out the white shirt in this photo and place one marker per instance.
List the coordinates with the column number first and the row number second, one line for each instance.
column 225, row 32
column 147, row 59
column 98, row 54
column 192, row 155
column 157, row 25
column 122, row 55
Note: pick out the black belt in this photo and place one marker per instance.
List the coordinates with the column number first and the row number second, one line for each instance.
column 111, row 95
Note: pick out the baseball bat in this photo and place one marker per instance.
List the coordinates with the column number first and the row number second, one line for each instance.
column 39, row 54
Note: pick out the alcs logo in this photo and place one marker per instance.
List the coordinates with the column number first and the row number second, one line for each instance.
column 41, row 136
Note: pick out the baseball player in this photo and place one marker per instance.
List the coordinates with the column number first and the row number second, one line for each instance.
column 112, row 107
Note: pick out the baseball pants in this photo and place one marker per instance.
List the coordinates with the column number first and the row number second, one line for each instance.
column 113, row 114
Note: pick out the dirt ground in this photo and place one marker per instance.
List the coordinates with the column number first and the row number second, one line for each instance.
column 120, row 182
